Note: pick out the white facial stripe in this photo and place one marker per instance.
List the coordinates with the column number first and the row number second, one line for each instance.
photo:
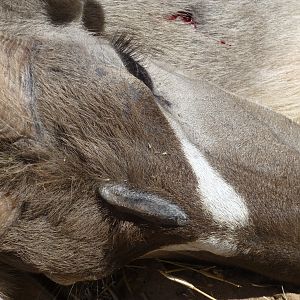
column 217, row 196
column 212, row 244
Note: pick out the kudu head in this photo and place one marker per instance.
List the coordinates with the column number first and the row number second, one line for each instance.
column 92, row 175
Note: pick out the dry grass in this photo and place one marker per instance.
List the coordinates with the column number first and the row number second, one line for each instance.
column 156, row 280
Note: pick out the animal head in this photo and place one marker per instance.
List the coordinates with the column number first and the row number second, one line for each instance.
column 100, row 162
column 90, row 167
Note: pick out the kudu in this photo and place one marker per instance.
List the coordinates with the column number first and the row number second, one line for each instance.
column 102, row 162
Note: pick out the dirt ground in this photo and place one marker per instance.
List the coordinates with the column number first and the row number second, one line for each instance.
column 150, row 284
column 144, row 280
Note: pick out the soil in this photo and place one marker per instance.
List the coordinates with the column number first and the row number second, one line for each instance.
column 143, row 280
column 150, row 284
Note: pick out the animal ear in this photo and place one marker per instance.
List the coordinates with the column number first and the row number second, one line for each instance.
column 16, row 89
column 149, row 207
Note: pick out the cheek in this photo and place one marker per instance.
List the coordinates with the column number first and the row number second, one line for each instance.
column 77, row 246
column 88, row 223
column 101, row 72
column 8, row 212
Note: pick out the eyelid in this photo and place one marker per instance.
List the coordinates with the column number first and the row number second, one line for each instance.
column 127, row 51
column 137, row 70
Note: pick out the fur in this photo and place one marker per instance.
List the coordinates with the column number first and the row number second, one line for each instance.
column 60, row 152
column 74, row 118
column 260, row 59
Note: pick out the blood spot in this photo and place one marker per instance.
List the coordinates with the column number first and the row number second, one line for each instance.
column 184, row 16
column 188, row 18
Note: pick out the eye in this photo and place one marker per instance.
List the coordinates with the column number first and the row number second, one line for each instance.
column 128, row 54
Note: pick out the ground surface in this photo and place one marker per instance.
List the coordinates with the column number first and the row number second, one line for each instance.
column 144, row 281
column 150, row 284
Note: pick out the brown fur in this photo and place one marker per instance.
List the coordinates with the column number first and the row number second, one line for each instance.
column 257, row 152
column 79, row 132
column 20, row 285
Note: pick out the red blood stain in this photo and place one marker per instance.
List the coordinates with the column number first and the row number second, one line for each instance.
column 224, row 43
column 188, row 18
column 185, row 16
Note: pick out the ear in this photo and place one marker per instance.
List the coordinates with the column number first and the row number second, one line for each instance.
column 149, row 207
column 16, row 89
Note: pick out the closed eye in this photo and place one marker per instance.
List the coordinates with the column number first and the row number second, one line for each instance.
column 127, row 52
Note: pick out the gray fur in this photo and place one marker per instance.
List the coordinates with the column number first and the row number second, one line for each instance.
column 262, row 64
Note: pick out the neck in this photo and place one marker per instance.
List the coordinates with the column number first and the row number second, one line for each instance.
column 247, row 162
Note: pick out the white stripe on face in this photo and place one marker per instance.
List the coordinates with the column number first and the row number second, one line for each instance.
column 222, row 205
column 217, row 197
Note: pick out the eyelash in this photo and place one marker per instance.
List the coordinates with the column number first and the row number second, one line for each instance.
column 128, row 54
